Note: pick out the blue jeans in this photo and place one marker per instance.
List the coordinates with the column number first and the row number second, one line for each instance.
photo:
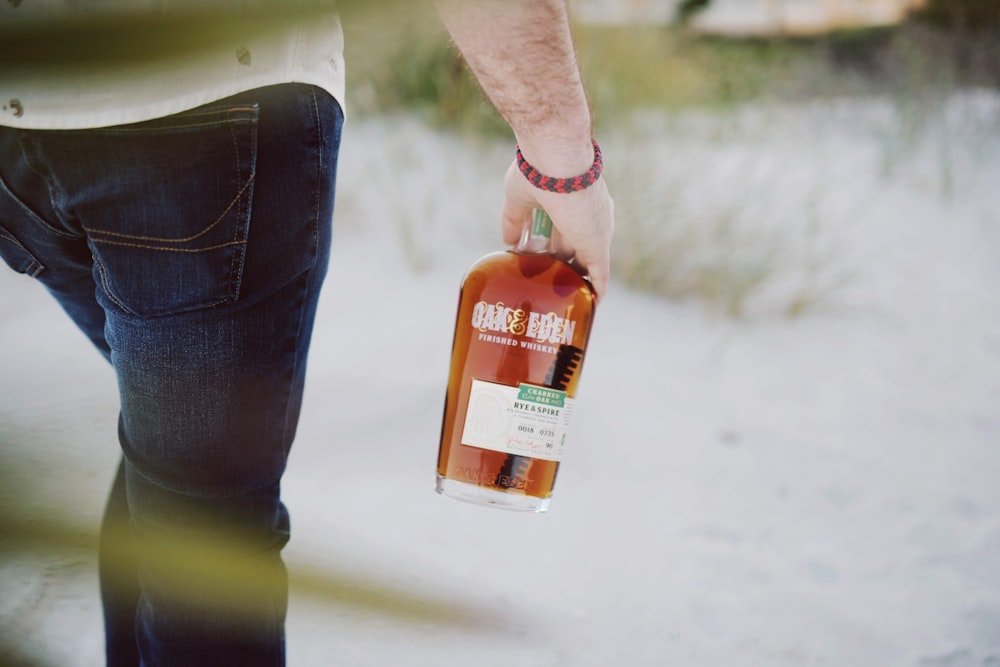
column 190, row 250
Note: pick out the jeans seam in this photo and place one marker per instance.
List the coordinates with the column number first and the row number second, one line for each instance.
column 297, row 358
column 107, row 288
column 319, row 169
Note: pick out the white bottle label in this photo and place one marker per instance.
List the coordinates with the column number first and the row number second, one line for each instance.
column 526, row 420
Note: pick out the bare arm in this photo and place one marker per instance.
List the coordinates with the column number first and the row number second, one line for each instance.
column 521, row 52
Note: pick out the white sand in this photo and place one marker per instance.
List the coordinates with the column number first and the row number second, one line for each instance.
column 821, row 491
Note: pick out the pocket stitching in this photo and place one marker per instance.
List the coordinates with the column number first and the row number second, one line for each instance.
column 226, row 113
column 139, row 237
column 162, row 249
column 236, row 267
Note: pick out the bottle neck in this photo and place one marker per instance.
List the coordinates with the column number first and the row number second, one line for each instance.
column 536, row 237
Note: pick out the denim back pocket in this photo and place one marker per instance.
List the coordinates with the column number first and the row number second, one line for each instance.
column 165, row 205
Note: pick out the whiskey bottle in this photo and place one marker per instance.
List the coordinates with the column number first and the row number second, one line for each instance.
column 524, row 318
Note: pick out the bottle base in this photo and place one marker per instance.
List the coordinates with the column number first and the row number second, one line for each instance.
column 479, row 495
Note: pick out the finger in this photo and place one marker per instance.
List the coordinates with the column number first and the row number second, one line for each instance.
column 599, row 277
column 561, row 248
column 517, row 208
column 512, row 221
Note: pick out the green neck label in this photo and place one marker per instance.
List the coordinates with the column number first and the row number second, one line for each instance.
column 542, row 224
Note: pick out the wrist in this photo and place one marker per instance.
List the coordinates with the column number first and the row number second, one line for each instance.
column 558, row 156
column 581, row 180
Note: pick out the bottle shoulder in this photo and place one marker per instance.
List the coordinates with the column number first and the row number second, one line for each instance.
column 524, row 272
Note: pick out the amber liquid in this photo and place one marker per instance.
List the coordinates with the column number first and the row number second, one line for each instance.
column 530, row 282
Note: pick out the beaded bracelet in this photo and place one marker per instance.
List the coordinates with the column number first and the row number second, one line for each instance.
column 563, row 185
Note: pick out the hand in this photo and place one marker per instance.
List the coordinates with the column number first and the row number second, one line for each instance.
column 584, row 222
column 521, row 52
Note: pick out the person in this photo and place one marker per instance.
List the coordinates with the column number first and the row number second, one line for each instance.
column 175, row 195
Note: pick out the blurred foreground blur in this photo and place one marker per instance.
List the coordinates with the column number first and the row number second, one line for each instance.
column 787, row 442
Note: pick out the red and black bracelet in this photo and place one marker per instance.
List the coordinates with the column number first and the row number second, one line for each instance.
column 563, row 185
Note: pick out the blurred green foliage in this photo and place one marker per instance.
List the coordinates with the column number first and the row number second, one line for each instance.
column 205, row 567
column 403, row 61
column 670, row 69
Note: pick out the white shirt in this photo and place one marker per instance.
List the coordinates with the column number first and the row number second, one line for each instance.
column 145, row 66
